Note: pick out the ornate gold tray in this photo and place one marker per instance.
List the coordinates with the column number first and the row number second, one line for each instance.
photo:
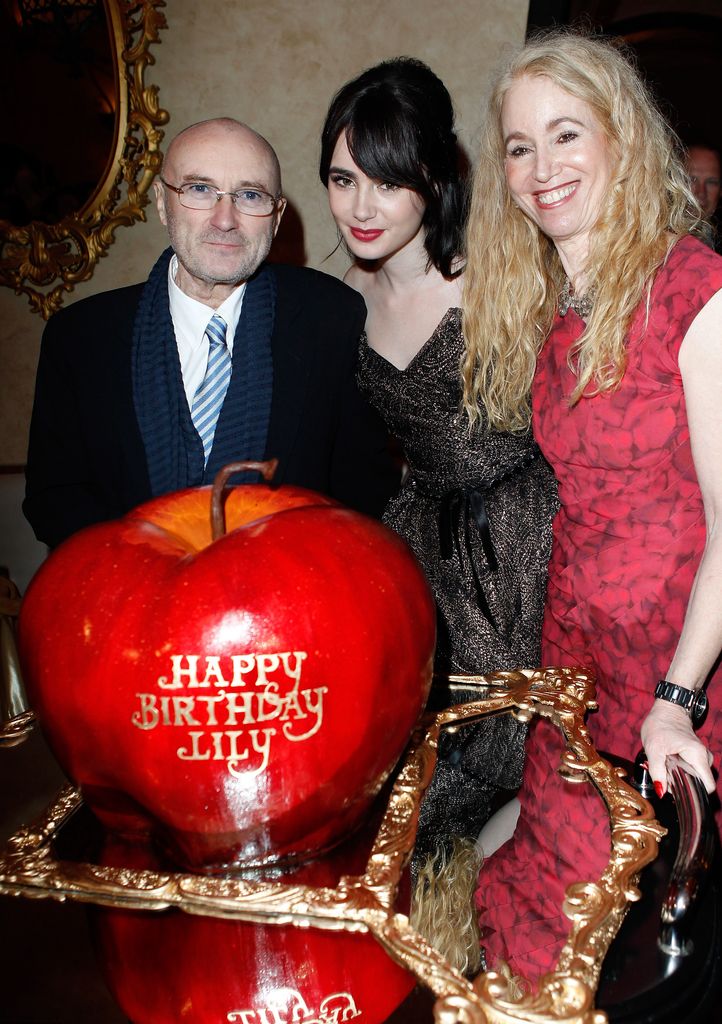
column 29, row 866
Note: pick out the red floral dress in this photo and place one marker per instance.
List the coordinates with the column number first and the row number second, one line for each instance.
column 627, row 542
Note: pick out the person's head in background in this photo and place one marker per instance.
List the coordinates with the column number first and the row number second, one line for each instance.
column 705, row 170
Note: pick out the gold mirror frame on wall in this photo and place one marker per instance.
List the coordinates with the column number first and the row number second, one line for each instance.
column 367, row 903
column 33, row 257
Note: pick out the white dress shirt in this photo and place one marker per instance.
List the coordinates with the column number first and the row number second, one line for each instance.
column 190, row 319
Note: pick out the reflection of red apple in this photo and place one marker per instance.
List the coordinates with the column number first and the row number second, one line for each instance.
column 171, row 967
column 244, row 698
column 165, row 967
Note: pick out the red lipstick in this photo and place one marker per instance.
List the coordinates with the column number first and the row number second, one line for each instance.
column 366, row 236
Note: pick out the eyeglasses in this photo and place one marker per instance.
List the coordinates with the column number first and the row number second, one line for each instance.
column 196, row 195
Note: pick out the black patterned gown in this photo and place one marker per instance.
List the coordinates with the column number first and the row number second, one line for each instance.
column 476, row 509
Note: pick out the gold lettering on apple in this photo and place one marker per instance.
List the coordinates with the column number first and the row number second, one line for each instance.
column 291, row 1008
column 249, row 689
column 243, row 668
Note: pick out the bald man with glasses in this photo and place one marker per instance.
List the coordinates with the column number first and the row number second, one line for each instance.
column 217, row 357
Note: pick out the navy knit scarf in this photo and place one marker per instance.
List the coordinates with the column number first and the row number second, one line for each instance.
column 173, row 449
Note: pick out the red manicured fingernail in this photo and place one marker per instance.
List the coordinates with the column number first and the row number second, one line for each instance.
column 659, row 789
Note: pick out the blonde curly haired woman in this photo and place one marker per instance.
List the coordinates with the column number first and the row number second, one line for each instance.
column 586, row 286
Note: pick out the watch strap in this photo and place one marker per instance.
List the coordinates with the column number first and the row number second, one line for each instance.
column 674, row 693
column 693, row 701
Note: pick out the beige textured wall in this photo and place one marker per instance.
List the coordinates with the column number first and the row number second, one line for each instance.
column 275, row 64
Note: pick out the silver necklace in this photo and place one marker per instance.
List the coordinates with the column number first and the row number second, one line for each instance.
column 581, row 304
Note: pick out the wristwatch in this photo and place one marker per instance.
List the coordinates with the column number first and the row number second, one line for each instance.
column 694, row 702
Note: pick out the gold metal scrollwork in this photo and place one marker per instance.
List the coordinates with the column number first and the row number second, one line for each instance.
column 16, row 719
column 28, row 867
column 34, row 256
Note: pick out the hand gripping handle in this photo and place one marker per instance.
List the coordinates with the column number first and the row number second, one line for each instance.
column 694, row 858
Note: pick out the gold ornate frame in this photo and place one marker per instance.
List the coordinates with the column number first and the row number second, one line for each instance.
column 35, row 256
column 17, row 721
column 366, row 902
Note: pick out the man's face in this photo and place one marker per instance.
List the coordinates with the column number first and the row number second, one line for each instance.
column 219, row 248
column 703, row 167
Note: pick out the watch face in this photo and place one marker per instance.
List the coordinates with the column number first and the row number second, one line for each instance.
column 699, row 705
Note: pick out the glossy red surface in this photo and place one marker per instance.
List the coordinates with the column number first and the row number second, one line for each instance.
column 168, row 967
column 243, row 699
column 172, row 967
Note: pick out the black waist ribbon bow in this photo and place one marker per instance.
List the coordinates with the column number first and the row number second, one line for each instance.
column 459, row 510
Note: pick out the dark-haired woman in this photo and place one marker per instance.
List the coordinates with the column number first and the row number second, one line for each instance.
column 477, row 505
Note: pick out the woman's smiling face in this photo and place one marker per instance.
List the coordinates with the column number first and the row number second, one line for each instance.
column 558, row 160
column 376, row 219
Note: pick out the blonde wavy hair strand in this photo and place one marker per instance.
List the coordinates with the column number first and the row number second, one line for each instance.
column 442, row 907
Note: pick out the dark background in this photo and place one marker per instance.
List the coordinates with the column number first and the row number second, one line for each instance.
column 678, row 44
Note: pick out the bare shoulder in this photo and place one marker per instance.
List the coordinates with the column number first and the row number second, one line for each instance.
column 703, row 336
column 700, row 363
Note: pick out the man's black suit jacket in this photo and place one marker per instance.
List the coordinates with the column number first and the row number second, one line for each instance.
column 86, row 461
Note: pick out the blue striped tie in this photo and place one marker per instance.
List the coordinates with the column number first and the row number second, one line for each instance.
column 208, row 399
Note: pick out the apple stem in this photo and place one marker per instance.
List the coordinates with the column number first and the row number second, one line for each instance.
column 218, row 512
